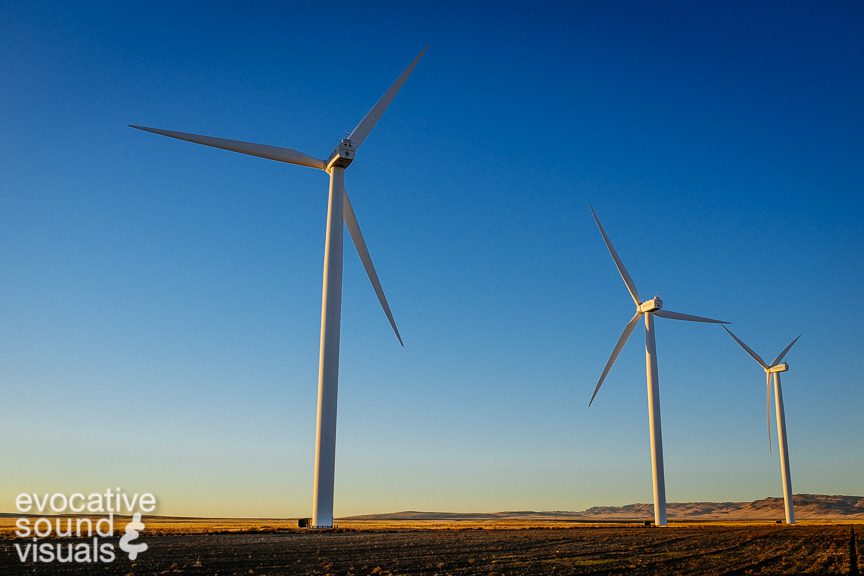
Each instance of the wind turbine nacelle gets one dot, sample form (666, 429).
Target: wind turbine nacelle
(343, 155)
(779, 368)
(651, 305)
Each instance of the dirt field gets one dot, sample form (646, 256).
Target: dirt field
(678, 549)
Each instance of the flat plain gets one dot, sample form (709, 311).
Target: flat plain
(188, 546)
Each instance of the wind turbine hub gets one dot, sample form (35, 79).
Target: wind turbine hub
(783, 367)
(343, 155)
(651, 305)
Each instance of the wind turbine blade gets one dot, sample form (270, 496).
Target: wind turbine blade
(768, 407)
(358, 136)
(631, 286)
(747, 348)
(678, 316)
(357, 236)
(783, 353)
(288, 155)
(621, 341)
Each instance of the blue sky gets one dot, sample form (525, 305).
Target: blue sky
(160, 301)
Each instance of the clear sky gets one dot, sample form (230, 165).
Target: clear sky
(160, 301)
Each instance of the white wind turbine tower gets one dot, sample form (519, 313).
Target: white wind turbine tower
(648, 309)
(338, 210)
(775, 368)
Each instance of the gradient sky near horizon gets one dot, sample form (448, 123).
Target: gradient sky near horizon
(160, 301)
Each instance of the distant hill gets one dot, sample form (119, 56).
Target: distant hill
(807, 507)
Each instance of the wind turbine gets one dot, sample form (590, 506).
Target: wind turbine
(647, 309)
(338, 210)
(775, 368)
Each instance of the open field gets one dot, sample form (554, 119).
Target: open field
(475, 547)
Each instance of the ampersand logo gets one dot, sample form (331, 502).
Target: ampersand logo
(131, 534)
